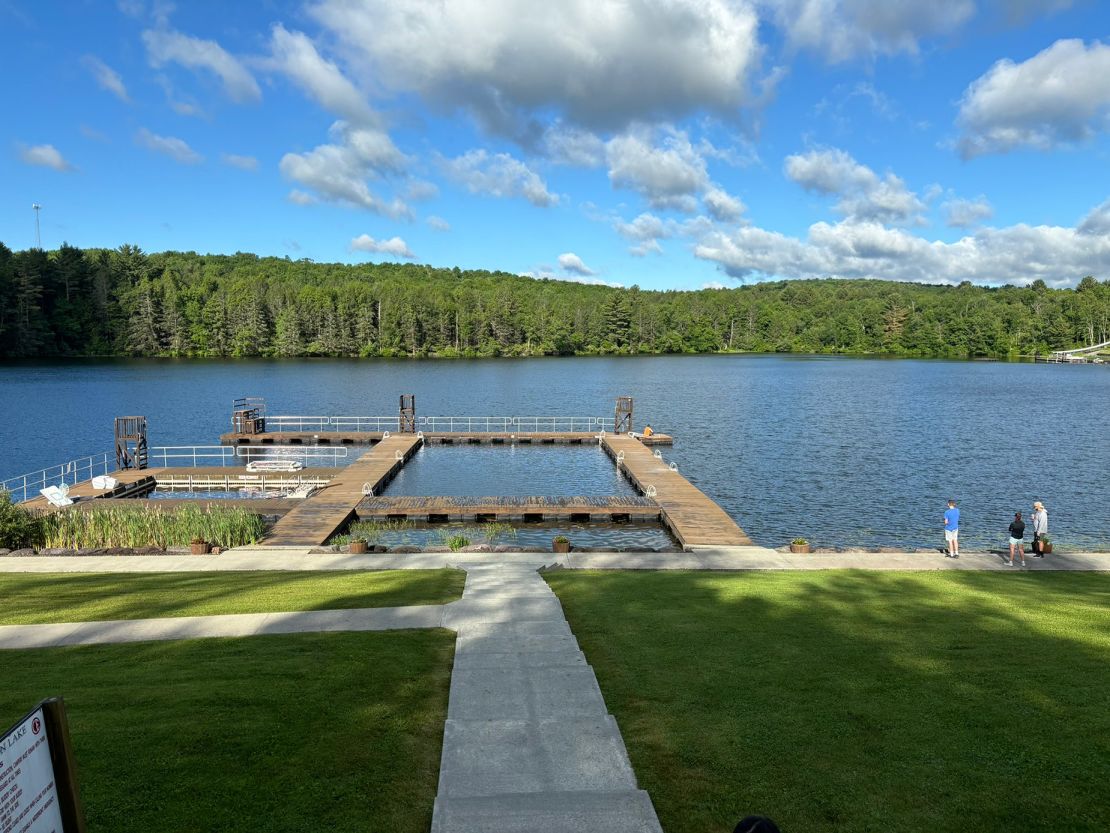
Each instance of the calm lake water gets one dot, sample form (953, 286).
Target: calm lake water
(849, 452)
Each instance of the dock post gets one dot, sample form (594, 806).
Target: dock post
(131, 446)
(407, 420)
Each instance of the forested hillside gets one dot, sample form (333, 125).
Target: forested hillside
(123, 302)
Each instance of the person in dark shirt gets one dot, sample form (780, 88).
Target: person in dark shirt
(1017, 539)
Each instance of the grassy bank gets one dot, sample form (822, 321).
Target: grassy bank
(853, 701)
(31, 598)
(338, 732)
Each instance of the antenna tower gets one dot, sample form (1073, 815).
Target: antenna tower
(38, 230)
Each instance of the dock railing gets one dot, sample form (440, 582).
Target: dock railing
(452, 424)
(197, 456)
(25, 487)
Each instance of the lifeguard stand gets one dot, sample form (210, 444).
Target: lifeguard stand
(248, 415)
(407, 421)
(131, 447)
(622, 419)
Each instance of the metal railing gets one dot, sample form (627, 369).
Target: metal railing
(470, 424)
(26, 486)
(197, 456)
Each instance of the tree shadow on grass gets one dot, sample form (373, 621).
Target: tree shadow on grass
(857, 701)
(71, 597)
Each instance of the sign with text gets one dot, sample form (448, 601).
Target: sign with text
(28, 791)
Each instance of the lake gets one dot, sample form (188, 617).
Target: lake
(843, 451)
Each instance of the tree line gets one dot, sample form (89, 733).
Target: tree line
(124, 302)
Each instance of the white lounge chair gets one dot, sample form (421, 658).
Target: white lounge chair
(274, 465)
(57, 495)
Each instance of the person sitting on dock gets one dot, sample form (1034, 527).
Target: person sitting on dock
(648, 431)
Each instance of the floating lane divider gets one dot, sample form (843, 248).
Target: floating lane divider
(694, 519)
(319, 517)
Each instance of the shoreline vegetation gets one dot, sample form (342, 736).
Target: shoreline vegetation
(106, 303)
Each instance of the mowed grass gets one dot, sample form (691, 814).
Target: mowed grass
(857, 701)
(337, 732)
(32, 598)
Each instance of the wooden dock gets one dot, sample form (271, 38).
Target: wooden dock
(524, 509)
(260, 506)
(694, 519)
(130, 482)
(319, 517)
(344, 438)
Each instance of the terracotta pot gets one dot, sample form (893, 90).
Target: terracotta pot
(1046, 548)
(802, 548)
(357, 547)
(560, 546)
(199, 549)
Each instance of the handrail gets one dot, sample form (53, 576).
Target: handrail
(168, 456)
(25, 487)
(469, 424)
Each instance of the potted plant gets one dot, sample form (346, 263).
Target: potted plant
(560, 543)
(357, 546)
(1046, 545)
(198, 546)
(800, 545)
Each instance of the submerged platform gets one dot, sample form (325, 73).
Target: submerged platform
(526, 509)
(333, 438)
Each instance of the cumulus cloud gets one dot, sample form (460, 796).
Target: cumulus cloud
(1060, 95)
(723, 206)
(570, 262)
(339, 171)
(599, 63)
(1097, 222)
(961, 213)
(437, 223)
(299, 197)
(45, 156)
(106, 77)
(393, 246)
(165, 46)
(565, 145)
(864, 195)
(844, 29)
(645, 232)
(170, 146)
(1017, 254)
(499, 175)
(244, 163)
(668, 173)
(295, 55)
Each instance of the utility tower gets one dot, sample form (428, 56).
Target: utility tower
(38, 231)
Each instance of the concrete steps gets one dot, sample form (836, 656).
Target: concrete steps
(560, 812)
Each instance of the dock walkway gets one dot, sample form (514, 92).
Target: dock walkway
(536, 509)
(693, 518)
(319, 517)
(347, 438)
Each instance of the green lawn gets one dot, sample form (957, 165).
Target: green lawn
(336, 732)
(857, 701)
(30, 598)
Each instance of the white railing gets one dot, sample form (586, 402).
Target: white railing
(196, 456)
(331, 423)
(469, 424)
(26, 486)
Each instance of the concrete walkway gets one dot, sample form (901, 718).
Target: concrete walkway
(529, 744)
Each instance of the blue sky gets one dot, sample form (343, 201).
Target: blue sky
(665, 143)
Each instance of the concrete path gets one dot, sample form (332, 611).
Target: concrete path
(722, 558)
(529, 744)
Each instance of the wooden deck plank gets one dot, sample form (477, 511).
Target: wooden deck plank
(312, 439)
(507, 507)
(319, 517)
(693, 518)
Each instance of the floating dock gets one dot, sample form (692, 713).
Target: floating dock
(525, 509)
(318, 518)
(694, 519)
(341, 438)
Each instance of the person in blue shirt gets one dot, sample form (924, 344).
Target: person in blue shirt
(952, 530)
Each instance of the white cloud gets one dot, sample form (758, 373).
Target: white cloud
(393, 246)
(170, 146)
(714, 285)
(863, 194)
(1060, 95)
(499, 175)
(165, 46)
(295, 55)
(1097, 222)
(45, 156)
(644, 227)
(299, 197)
(961, 213)
(723, 206)
(437, 223)
(245, 163)
(565, 145)
(844, 29)
(1017, 254)
(598, 63)
(570, 262)
(338, 172)
(106, 77)
(667, 174)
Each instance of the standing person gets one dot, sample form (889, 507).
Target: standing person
(1017, 539)
(1040, 528)
(952, 530)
